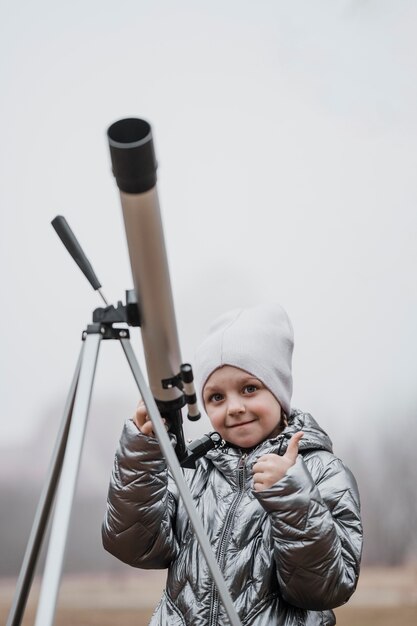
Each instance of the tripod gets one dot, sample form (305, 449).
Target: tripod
(62, 478)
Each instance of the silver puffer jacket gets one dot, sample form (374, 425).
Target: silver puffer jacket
(288, 554)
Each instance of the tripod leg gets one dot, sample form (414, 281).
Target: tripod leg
(56, 549)
(43, 510)
(172, 461)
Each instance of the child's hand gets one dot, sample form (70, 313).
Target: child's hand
(142, 420)
(270, 468)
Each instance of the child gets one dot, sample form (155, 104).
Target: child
(280, 510)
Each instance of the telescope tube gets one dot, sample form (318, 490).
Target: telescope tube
(134, 167)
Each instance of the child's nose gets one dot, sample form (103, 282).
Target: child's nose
(235, 406)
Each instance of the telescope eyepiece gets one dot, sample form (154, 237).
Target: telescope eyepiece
(132, 155)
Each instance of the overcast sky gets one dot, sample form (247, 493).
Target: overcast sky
(286, 139)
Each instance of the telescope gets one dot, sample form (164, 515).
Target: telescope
(134, 167)
(170, 382)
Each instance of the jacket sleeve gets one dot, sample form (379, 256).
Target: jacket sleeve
(316, 531)
(138, 527)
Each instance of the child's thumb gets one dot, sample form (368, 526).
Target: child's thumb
(292, 450)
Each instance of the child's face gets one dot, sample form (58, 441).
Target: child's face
(240, 407)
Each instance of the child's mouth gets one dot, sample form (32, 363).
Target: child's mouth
(241, 424)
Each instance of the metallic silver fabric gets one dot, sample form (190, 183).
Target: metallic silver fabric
(289, 554)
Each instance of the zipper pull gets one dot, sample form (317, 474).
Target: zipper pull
(282, 438)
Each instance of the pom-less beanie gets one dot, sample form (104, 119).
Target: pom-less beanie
(258, 340)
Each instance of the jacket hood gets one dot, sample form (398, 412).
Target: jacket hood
(315, 438)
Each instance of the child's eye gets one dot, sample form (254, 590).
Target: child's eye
(250, 388)
(216, 397)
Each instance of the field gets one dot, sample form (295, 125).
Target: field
(385, 597)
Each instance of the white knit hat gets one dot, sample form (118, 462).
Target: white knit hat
(258, 340)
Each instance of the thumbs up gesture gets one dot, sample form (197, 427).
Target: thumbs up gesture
(270, 468)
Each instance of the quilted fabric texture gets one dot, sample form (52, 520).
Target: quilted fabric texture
(288, 554)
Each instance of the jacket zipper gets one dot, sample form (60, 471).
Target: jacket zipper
(214, 604)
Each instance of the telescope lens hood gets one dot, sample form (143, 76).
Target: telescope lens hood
(132, 155)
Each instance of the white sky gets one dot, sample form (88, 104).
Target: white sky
(286, 138)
